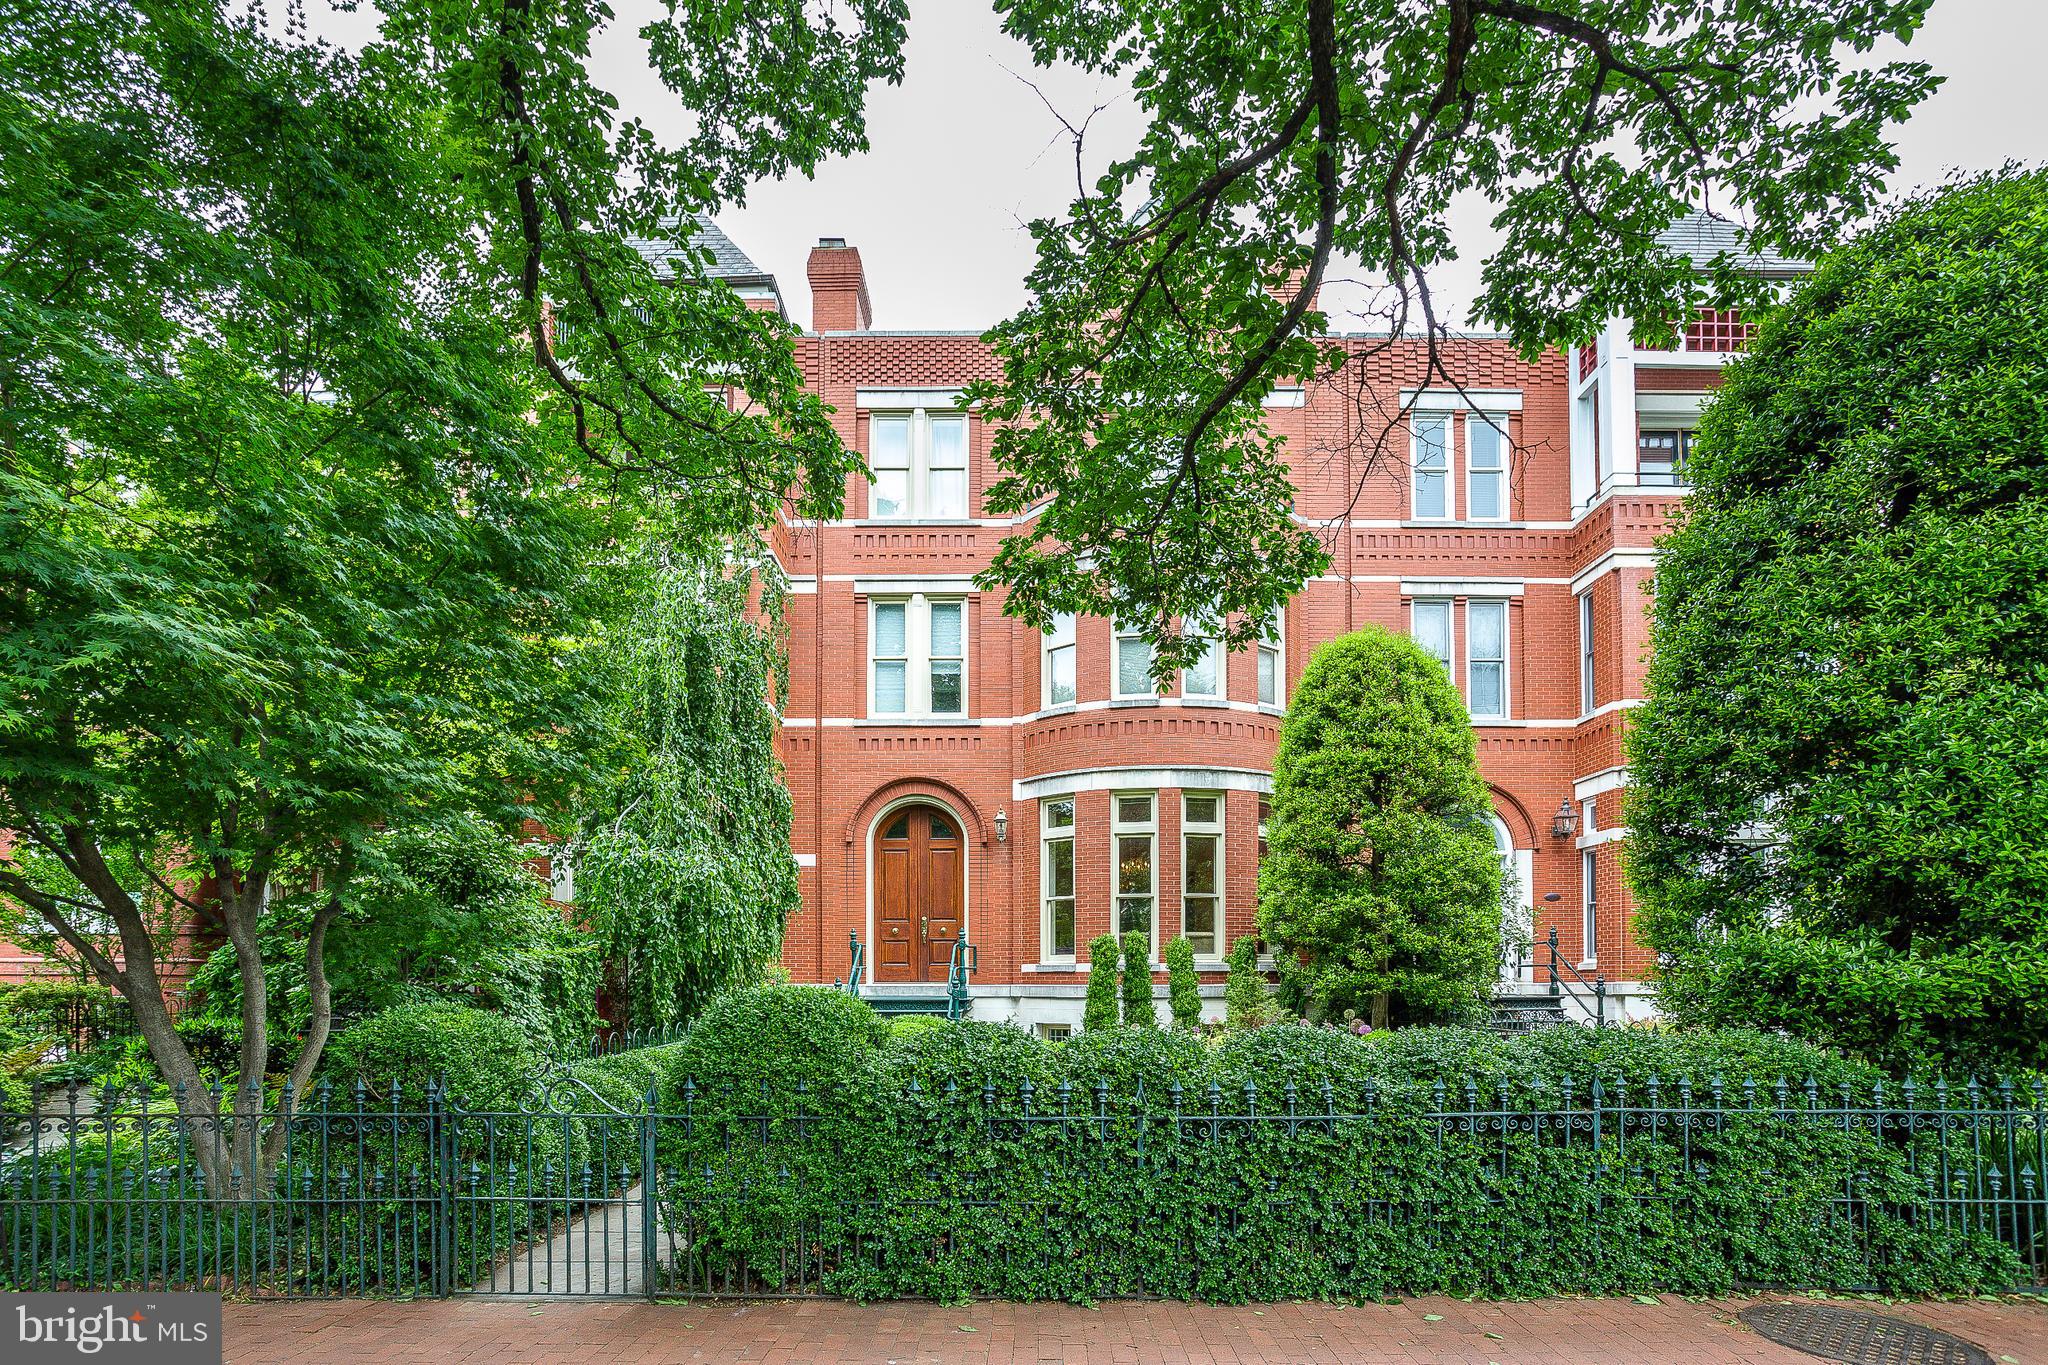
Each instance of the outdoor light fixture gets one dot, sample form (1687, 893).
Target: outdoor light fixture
(1565, 823)
(1002, 825)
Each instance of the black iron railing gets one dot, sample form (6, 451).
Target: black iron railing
(1562, 967)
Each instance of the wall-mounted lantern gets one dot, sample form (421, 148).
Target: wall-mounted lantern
(1002, 825)
(1565, 823)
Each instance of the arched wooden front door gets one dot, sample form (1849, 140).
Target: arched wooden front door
(920, 889)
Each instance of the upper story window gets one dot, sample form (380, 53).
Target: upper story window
(1661, 454)
(919, 459)
(1431, 623)
(1134, 663)
(1056, 876)
(1486, 466)
(1205, 677)
(1586, 653)
(1431, 478)
(1272, 676)
(917, 657)
(1058, 686)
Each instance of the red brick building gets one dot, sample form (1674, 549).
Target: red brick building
(955, 771)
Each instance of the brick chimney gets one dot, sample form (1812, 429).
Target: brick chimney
(839, 288)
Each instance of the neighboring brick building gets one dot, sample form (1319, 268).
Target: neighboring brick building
(955, 770)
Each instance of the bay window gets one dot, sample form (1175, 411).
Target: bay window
(1204, 677)
(1134, 663)
(1133, 828)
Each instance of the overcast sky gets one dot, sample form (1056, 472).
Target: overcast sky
(965, 152)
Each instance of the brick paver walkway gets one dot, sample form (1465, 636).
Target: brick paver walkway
(1549, 1332)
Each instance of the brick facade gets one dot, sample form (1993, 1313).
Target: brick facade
(1576, 524)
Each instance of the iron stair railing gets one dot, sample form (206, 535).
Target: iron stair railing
(856, 966)
(1598, 983)
(966, 958)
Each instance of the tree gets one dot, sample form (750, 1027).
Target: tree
(682, 861)
(1840, 778)
(1244, 991)
(325, 381)
(1380, 890)
(1099, 1009)
(1285, 137)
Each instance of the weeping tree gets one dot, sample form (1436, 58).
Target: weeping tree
(682, 860)
(325, 380)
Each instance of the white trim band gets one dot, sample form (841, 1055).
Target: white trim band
(1134, 778)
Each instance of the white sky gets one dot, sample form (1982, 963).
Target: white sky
(965, 152)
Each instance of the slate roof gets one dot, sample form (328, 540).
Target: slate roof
(728, 262)
(1701, 237)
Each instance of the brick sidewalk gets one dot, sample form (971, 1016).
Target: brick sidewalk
(1547, 1332)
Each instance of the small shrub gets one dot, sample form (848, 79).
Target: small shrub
(776, 1036)
(1183, 987)
(1137, 982)
(1245, 1003)
(1100, 1010)
(485, 1059)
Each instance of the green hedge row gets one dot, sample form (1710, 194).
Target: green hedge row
(935, 1162)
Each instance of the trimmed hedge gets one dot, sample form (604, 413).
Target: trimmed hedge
(937, 1163)
(484, 1059)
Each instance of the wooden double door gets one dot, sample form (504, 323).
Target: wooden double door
(920, 894)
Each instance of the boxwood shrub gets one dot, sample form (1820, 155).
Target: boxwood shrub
(978, 1160)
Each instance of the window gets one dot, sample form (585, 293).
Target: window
(1131, 834)
(1265, 823)
(1661, 456)
(1486, 659)
(917, 648)
(1059, 661)
(1486, 466)
(1432, 466)
(919, 461)
(1056, 876)
(1430, 625)
(1590, 926)
(1055, 1033)
(1201, 872)
(1134, 664)
(1586, 653)
(1271, 653)
(1204, 678)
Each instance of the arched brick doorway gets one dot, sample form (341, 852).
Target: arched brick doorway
(920, 888)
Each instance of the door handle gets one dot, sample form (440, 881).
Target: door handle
(924, 926)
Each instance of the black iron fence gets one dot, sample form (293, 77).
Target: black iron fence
(1488, 1183)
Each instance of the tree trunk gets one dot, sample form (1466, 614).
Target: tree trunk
(1382, 1007)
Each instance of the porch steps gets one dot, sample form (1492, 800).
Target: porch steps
(894, 1003)
(1525, 1013)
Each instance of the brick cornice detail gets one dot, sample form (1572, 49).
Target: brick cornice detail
(945, 793)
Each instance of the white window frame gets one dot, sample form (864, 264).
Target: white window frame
(1119, 830)
(1048, 835)
(1589, 907)
(1204, 829)
(1219, 662)
(1449, 658)
(1445, 422)
(1489, 604)
(918, 659)
(1680, 455)
(1273, 646)
(1120, 633)
(1586, 660)
(1057, 640)
(917, 500)
(1498, 423)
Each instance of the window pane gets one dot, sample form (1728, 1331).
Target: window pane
(949, 442)
(1485, 495)
(948, 494)
(1205, 677)
(1134, 810)
(1060, 814)
(1429, 494)
(1484, 446)
(890, 695)
(1432, 624)
(891, 494)
(1489, 626)
(1063, 928)
(1062, 632)
(946, 688)
(946, 630)
(942, 829)
(1198, 922)
(890, 443)
(1269, 677)
(1134, 915)
(1059, 868)
(891, 635)
(1486, 689)
(1201, 810)
(1134, 863)
(1200, 869)
(1429, 443)
(1059, 689)
(1134, 666)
